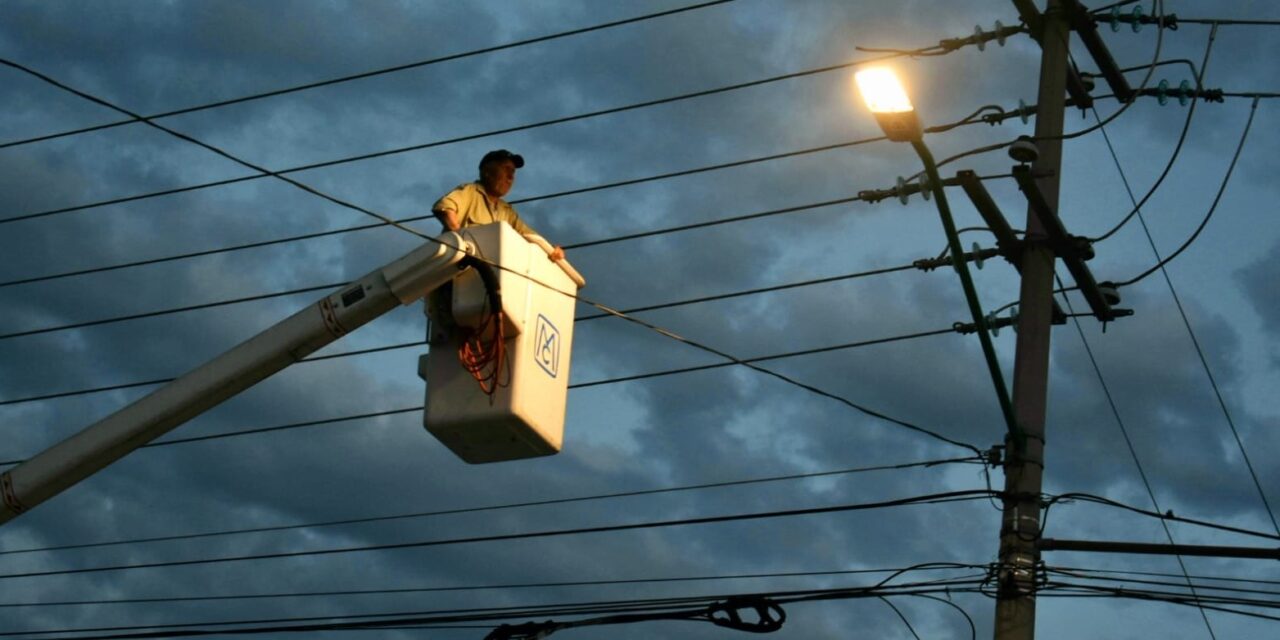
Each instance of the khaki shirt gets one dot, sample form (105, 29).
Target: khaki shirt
(474, 207)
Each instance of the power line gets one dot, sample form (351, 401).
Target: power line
(363, 227)
(1182, 137)
(283, 173)
(165, 312)
(901, 617)
(934, 498)
(147, 383)
(1080, 590)
(778, 356)
(1253, 109)
(594, 383)
(1160, 583)
(1169, 515)
(1229, 22)
(455, 588)
(1165, 575)
(1195, 342)
(1133, 452)
(368, 74)
(589, 317)
(548, 196)
(265, 296)
(1151, 68)
(514, 505)
(652, 327)
(608, 240)
(962, 584)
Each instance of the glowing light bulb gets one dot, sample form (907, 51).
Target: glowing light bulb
(882, 91)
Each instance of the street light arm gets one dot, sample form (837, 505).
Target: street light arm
(970, 293)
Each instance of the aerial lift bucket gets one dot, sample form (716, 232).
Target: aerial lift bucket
(524, 416)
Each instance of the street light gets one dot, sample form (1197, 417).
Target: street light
(888, 101)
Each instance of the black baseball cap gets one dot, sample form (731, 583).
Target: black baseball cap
(502, 154)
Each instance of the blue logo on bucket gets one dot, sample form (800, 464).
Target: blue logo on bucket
(546, 346)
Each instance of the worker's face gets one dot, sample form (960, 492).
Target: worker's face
(498, 177)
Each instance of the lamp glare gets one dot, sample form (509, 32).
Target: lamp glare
(882, 91)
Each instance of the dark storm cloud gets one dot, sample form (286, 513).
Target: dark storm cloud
(1258, 280)
(703, 427)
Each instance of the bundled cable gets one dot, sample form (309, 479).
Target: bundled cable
(483, 352)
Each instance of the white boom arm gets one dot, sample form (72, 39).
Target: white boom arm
(401, 282)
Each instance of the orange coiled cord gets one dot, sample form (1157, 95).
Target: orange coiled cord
(486, 360)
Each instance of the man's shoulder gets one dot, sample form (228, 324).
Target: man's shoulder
(460, 193)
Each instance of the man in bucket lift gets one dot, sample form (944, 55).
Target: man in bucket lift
(481, 202)
(477, 203)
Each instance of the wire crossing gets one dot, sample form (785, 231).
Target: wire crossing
(263, 173)
(750, 362)
(934, 498)
(652, 327)
(403, 345)
(477, 587)
(502, 507)
(369, 74)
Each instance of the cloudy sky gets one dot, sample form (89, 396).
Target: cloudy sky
(717, 425)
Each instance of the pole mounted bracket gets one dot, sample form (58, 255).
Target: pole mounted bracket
(1007, 241)
(1076, 86)
(1065, 245)
(1082, 23)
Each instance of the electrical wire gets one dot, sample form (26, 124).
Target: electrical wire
(901, 616)
(1186, 322)
(483, 587)
(1124, 432)
(369, 74)
(336, 285)
(973, 628)
(1163, 575)
(363, 227)
(1160, 28)
(652, 327)
(558, 194)
(536, 503)
(284, 173)
(1157, 596)
(933, 498)
(1160, 583)
(418, 343)
(1076, 134)
(579, 245)
(1177, 148)
(1229, 22)
(1253, 109)
(164, 312)
(593, 383)
(1168, 515)
(652, 605)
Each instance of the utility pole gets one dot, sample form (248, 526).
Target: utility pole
(1024, 463)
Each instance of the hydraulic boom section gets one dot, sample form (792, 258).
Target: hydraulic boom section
(401, 282)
